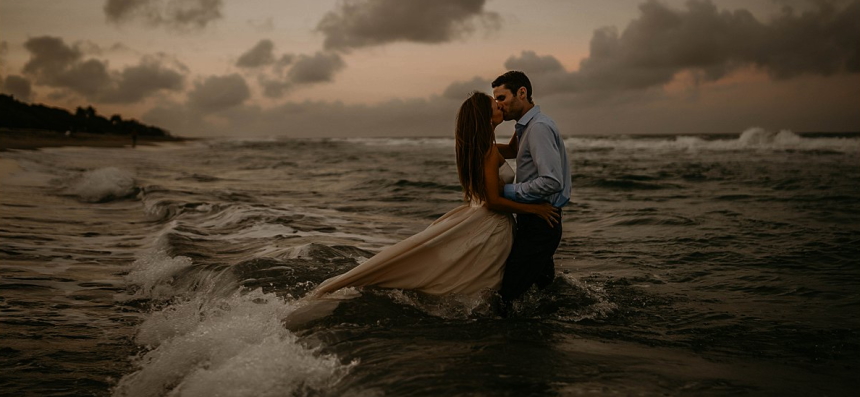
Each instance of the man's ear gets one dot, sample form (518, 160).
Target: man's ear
(522, 93)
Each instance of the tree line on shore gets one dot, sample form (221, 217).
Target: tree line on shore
(20, 115)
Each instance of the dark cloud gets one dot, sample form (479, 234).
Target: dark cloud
(284, 61)
(709, 43)
(365, 23)
(140, 81)
(260, 55)
(179, 14)
(88, 78)
(829, 104)
(415, 117)
(17, 86)
(217, 93)
(534, 64)
(274, 88)
(300, 70)
(318, 68)
(461, 90)
(55, 64)
(49, 56)
(822, 41)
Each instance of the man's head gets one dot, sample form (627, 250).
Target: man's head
(513, 92)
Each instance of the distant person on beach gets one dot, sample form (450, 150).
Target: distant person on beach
(133, 138)
(543, 176)
(464, 251)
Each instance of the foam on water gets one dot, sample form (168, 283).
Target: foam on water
(756, 138)
(206, 342)
(424, 142)
(231, 346)
(153, 272)
(103, 184)
(324, 252)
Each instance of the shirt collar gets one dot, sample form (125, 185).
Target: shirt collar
(524, 121)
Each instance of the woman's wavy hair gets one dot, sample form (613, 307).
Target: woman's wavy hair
(474, 139)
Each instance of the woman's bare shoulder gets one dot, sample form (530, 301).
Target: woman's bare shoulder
(494, 156)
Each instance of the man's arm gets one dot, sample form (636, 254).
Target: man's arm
(544, 151)
(509, 150)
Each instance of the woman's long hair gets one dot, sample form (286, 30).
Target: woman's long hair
(475, 138)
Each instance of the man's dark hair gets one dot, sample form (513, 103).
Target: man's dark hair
(513, 80)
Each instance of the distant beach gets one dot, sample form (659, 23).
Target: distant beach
(32, 139)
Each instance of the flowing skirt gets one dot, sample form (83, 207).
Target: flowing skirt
(463, 252)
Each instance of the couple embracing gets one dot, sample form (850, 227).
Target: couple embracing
(478, 247)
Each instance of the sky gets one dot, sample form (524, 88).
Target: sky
(365, 68)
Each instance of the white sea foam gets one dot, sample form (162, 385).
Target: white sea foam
(233, 346)
(425, 142)
(103, 184)
(756, 139)
(154, 272)
(210, 343)
(601, 307)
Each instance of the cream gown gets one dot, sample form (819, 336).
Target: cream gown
(463, 252)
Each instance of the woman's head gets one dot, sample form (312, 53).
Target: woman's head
(474, 139)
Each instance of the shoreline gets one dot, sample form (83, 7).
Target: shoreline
(31, 139)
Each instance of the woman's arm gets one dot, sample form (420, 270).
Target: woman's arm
(509, 150)
(495, 201)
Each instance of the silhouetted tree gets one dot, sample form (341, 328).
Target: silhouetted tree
(17, 114)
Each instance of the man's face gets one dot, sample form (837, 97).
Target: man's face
(510, 104)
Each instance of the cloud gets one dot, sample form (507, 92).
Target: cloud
(318, 68)
(827, 42)
(284, 61)
(710, 44)
(17, 86)
(178, 14)
(461, 90)
(87, 78)
(274, 88)
(413, 117)
(55, 64)
(217, 93)
(534, 63)
(260, 55)
(138, 82)
(49, 56)
(365, 23)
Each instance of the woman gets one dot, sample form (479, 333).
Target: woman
(464, 251)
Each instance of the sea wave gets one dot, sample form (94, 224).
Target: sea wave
(234, 346)
(754, 139)
(103, 184)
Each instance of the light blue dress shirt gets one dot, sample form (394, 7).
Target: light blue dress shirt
(543, 172)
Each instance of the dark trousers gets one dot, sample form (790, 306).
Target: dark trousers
(530, 261)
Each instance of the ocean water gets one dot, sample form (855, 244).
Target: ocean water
(690, 265)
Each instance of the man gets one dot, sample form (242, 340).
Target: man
(543, 174)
